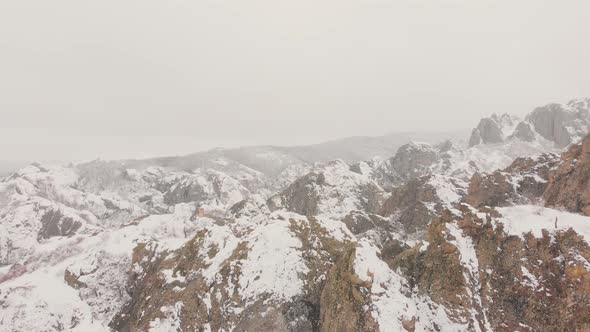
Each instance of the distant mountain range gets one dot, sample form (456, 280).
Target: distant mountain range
(404, 232)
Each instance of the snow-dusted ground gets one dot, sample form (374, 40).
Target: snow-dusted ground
(39, 293)
(117, 208)
(392, 299)
(522, 219)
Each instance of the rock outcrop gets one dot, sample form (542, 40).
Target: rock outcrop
(301, 197)
(562, 124)
(569, 184)
(258, 240)
(498, 282)
(334, 189)
(411, 161)
(523, 182)
(524, 131)
(492, 130)
(487, 132)
(208, 284)
(419, 201)
(411, 204)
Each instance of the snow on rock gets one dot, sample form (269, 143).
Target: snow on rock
(449, 190)
(332, 191)
(274, 264)
(470, 263)
(43, 296)
(172, 320)
(522, 219)
(38, 291)
(392, 300)
(68, 233)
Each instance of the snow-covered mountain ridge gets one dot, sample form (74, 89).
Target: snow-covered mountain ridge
(434, 237)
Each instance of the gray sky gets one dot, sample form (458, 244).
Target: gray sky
(117, 78)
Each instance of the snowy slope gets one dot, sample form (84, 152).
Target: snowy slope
(289, 239)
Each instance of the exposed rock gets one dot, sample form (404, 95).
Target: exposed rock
(417, 202)
(152, 295)
(248, 208)
(336, 253)
(343, 302)
(408, 204)
(524, 181)
(524, 132)
(489, 190)
(413, 159)
(332, 189)
(208, 186)
(515, 283)
(494, 129)
(531, 176)
(54, 223)
(486, 132)
(562, 124)
(569, 184)
(409, 324)
(100, 283)
(301, 197)
(543, 297)
(359, 222)
(202, 284)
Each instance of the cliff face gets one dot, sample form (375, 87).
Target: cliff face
(569, 184)
(488, 131)
(492, 280)
(524, 181)
(560, 124)
(334, 189)
(205, 285)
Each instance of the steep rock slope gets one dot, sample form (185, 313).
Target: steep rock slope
(419, 201)
(493, 272)
(524, 181)
(569, 184)
(494, 129)
(561, 124)
(333, 190)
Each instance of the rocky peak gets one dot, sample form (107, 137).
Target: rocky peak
(496, 280)
(417, 202)
(199, 246)
(492, 130)
(524, 181)
(562, 124)
(334, 189)
(525, 132)
(580, 104)
(411, 160)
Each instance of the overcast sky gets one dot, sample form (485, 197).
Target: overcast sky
(117, 78)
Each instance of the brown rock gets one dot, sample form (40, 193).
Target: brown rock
(407, 203)
(523, 182)
(569, 184)
(343, 300)
(409, 324)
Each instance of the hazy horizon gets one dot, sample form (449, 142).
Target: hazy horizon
(124, 79)
(439, 135)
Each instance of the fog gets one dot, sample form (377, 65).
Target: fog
(124, 79)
